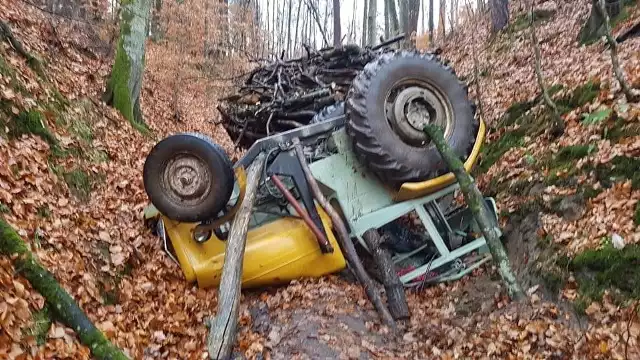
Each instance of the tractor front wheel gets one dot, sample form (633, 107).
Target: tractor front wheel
(188, 177)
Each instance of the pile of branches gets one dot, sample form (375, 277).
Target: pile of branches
(286, 94)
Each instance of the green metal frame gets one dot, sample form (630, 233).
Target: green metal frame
(367, 204)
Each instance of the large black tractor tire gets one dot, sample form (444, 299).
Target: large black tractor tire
(398, 151)
(328, 112)
(188, 177)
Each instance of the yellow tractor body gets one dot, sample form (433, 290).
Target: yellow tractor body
(276, 252)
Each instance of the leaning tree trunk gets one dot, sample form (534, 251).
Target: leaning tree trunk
(60, 302)
(125, 82)
(473, 198)
(499, 14)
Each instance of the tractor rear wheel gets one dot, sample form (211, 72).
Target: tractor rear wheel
(188, 177)
(389, 104)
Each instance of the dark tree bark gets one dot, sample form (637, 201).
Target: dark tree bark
(431, 21)
(337, 27)
(364, 23)
(442, 20)
(409, 13)
(396, 299)
(499, 14)
(371, 22)
(594, 26)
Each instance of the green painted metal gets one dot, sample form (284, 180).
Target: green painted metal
(367, 204)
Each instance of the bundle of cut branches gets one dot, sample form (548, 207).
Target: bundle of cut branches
(286, 94)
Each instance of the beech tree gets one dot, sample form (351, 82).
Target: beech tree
(125, 81)
(499, 14)
(371, 22)
(337, 28)
(409, 12)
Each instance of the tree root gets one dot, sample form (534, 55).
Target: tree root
(34, 63)
(61, 304)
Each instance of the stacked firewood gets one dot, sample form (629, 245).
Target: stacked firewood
(286, 94)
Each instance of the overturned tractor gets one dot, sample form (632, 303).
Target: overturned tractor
(339, 126)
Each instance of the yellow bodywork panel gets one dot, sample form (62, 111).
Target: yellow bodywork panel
(277, 252)
(418, 189)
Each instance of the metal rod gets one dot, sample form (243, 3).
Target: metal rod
(325, 246)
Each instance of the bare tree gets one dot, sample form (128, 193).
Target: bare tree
(558, 123)
(364, 22)
(337, 27)
(431, 20)
(476, 62)
(316, 16)
(499, 14)
(617, 69)
(371, 22)
(442, 19)
(409, 12)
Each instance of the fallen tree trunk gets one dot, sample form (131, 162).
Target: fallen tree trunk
(396, 299)
(476, 203)
(345, 241)
(61, 303)
(222, 329)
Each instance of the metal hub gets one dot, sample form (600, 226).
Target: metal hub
(186, 178)
(411, 106)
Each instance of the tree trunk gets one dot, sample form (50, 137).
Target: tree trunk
(394, 23)
(222, 331)
(371, 22)
(387, 31)
(364, 23)
(409, 12)
(558, 123)
(442, 32)
(396, 299)
(288, 50)
(295, 38)
(60, 302)
(594, 27)
(499, 14)
(316, 16)
(345, 242)
(156, 26)
(431, 21)
(617, 69)
(125, 82)
(477, 205)
(337, 26)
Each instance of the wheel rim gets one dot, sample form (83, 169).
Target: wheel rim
(186, 179)
(411, 104)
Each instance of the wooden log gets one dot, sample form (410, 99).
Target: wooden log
(396, 299)
(223, 328)
(344, 240)
(476, 203)
(64, 307)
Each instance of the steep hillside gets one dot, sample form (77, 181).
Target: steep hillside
(71, 183)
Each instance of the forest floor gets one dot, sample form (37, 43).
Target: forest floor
(71, 184)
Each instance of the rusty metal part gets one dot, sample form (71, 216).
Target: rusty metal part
(344, 240)
(325, 246)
